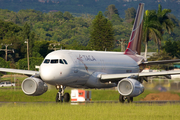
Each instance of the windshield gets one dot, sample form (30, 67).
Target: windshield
(65, 61)
(60, 61)
(46, 61)
(54, 61)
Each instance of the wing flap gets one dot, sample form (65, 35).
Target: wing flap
(26, 72)
(116, 76)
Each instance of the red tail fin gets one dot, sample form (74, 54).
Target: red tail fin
(134, 45)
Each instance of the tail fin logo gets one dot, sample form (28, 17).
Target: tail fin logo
(134, 45)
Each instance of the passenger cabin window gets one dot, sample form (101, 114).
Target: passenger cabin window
(46, 61)
(54, 61)
(60, 61)
(65, 61)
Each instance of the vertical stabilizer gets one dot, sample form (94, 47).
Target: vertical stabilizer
(134, 45)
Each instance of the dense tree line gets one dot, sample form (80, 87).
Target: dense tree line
(55, 30)
(87, 6)
(63, 27)
(172, 48)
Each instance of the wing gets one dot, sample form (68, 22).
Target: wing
(26, 72)
(117, 77)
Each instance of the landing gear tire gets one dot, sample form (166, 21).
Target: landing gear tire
(60, 96)
(57, 97)
(129, 99)
(121, 98)
(66, 97)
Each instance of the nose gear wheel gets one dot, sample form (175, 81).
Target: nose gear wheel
(61, 97)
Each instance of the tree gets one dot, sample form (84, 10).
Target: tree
(111, 10)
(22, 63)
(3, 63)
(8, 29)
(174, 19)
(57, 15)
(102, 33)
(67, 15)
(151, 28)
(116, 20)
(166, 23)
(40, 48)
(172, 48)
(162, 55)
(26, 30)
(130, 13)
(8, 33)
(27, 34)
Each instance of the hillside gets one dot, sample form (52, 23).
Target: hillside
(54, 30)
(87, 6)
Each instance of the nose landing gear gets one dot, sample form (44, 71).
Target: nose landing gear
(60, 96)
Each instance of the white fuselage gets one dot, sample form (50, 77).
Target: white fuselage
(82, 66)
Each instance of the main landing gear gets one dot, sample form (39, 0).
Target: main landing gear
(61, 97)
(123, 98)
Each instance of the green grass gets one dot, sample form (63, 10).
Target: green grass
(12, 95)
(108, 111)
(19, 96)
(108, 94)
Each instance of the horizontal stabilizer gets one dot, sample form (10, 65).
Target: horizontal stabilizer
(160, 62)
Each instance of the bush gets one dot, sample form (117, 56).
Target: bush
(3, 63)
(33, 61)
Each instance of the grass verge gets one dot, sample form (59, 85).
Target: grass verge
(90, 111)
(12, 95)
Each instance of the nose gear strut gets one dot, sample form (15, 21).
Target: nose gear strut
(60, 97)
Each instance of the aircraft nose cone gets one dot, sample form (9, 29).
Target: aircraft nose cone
(46, 73)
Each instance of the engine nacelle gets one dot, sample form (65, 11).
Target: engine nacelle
(130, 87)
(34, 86)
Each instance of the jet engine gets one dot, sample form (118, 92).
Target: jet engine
(34, 86)
(130, 87)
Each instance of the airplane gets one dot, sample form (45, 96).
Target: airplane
(94, 69)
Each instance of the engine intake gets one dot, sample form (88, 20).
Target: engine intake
(34, 86)
(130, 87)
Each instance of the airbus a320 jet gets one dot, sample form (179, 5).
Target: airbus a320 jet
(94, 69)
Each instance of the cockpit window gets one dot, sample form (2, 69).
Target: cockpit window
(60, 61)
(46, 61)
(54, 61)
(65, 61)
